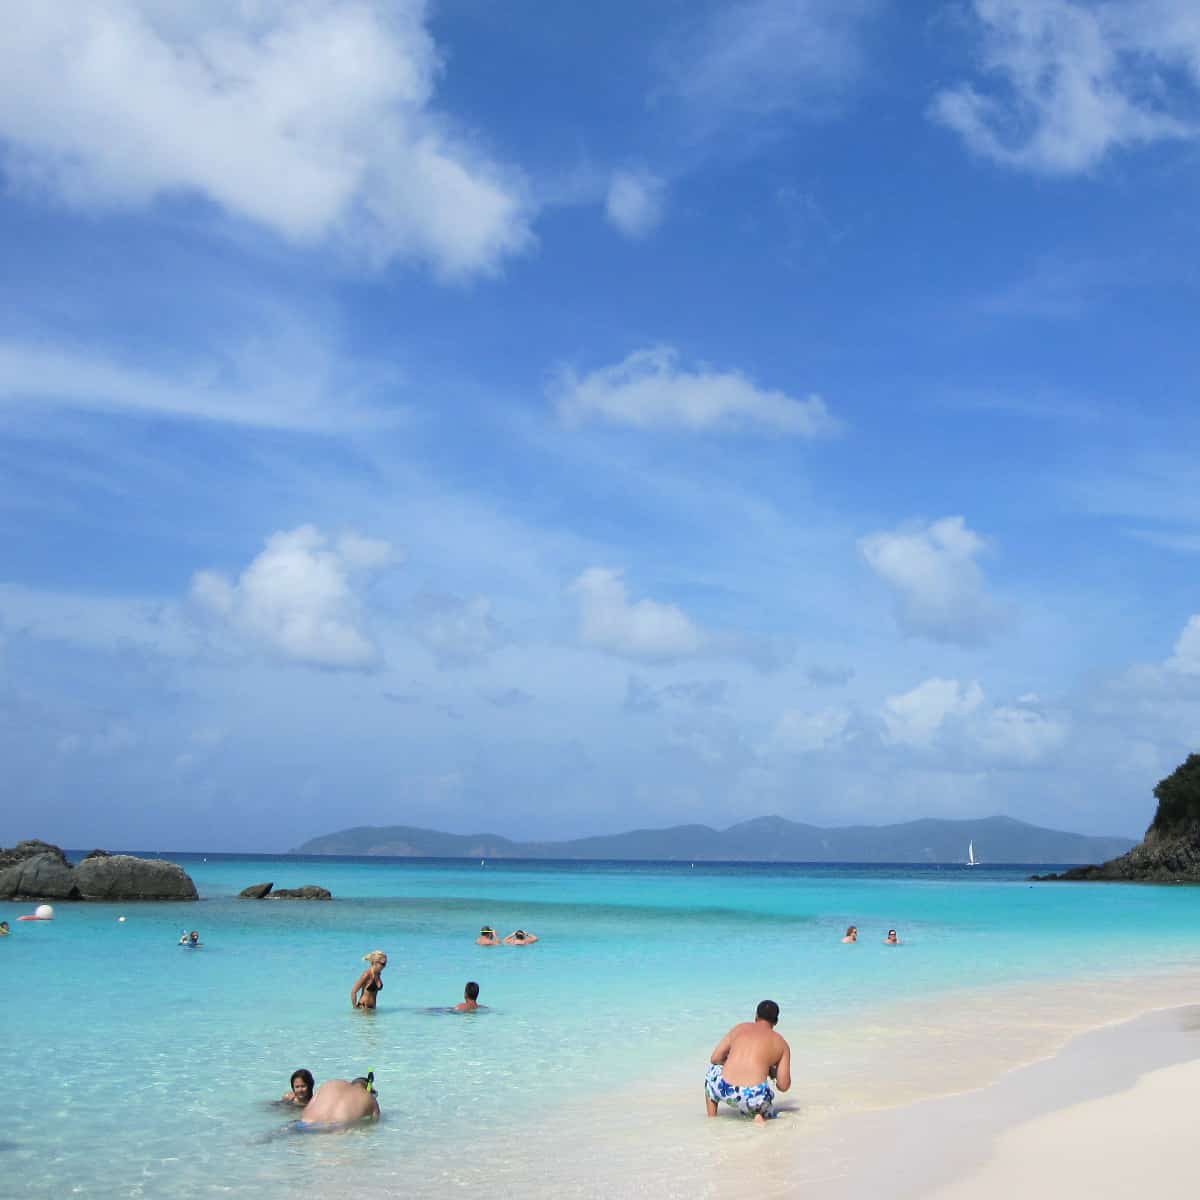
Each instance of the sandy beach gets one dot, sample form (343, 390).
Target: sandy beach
(1104, 1115)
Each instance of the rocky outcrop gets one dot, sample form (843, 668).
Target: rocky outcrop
(310, 892)
(256, 891)
(1172, 858)
(1170, 851)
(34, 870)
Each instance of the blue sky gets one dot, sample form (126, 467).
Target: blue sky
(554, 419)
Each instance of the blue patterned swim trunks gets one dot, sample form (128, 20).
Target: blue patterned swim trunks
(749, 1101)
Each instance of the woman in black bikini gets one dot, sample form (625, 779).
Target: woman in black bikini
(365, 992)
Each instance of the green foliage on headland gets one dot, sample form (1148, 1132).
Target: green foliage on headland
(1178, 799)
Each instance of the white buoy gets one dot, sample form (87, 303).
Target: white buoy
(44, 912)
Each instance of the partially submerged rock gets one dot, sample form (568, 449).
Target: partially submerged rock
(311, 892)
(256, 891)
(35, 870)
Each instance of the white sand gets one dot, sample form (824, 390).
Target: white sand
(1137, 1142)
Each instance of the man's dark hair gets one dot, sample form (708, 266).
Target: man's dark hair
(767, 1010)
(306, 1075)
(472, 991)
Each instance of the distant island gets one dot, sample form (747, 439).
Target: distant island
(764, 839)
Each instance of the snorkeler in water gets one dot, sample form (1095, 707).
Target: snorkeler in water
(520, 938)
(340, 1102)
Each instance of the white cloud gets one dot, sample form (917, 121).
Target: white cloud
(1074, 81)
(761, 58)
(1186, 659)
(298, 598)
(635, 203)
(915, 718)
(312, 118)
(798, 732)
(940, 592)
(643, 629)
(648, 390)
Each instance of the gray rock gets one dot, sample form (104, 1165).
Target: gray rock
(311, 892)
(256, 891)
(123, 877)
(46, 876)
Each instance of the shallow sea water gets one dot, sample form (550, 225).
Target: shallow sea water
(138, 1068)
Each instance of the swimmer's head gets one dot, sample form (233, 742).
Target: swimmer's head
(377, 958)
(303, 1085)
(367, 1082)
(487, 931)
(768, 1011)
(519, 935)
(471, 991)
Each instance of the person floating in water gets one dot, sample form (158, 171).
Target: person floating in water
(365, 993)
(851, 935)
(470, 998)
(189, 939)
(487, 937)
(303, 1086)
(340, 1102)
(891, 939)
(4, 929)
(744, 1062)
(520, 938)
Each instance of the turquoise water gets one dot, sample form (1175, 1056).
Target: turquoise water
(135, 1067)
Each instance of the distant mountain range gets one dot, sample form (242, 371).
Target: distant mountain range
(764, 839)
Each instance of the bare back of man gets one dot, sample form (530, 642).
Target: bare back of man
(338, 1102)
(755, 1049)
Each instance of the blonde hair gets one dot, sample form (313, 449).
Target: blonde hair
(374, 956)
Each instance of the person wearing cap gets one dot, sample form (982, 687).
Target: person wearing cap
(487, 937)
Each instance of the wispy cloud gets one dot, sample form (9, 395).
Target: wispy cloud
(290, 382)
(1068, 83)
(650, 390)
(765, 58)
(316, 121)
(634, 204)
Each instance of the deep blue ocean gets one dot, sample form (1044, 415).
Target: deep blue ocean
(136, 1067)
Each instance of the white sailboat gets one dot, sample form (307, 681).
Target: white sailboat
(972, 861)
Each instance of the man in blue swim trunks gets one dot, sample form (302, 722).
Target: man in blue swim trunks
(743, 1064)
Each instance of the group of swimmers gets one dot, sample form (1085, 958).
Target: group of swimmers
(892, 938)
(489, 937)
